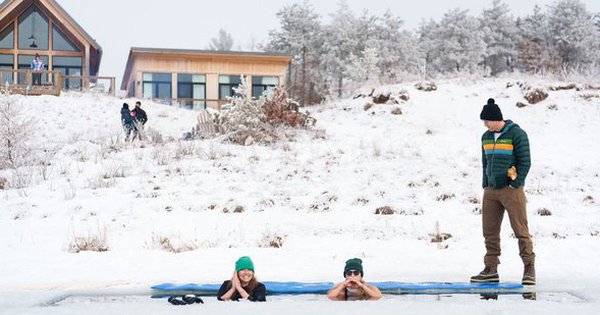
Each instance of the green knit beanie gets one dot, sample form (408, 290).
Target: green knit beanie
(244, 263)
(354, 264)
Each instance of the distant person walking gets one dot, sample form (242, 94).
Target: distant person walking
(126, 121)
(139, 120)
(506, 162)
(37, 65)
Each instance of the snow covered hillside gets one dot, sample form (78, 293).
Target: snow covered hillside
(302, 207)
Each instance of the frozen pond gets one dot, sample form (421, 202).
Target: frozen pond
(129, 302)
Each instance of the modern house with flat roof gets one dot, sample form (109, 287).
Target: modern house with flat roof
(198, 79)
(30, 27)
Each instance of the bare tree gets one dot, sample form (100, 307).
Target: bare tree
(16, 130)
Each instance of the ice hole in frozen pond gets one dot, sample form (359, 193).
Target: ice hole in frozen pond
(558, 297)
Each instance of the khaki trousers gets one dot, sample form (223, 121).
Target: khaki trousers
(495, 201)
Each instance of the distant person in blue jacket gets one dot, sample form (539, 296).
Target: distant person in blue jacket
(354, 288)
(126, 121)
(243, 284)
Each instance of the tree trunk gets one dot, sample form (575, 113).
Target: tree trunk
(303, 76)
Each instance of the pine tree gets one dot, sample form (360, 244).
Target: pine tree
(501, 37)
(462, 47)
(223, 41)
(574, 35)
(301, 34)
(339, 44)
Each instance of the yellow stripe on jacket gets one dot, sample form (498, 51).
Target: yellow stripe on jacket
(499, 146)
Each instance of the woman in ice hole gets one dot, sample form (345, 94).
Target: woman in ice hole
(243, 284)
(354, 288)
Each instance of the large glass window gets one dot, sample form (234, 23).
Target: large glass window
(191, 86)
(61, 42)
(25, 63)
(261, 85)
(156, 85)
(7, 37)
(69, 66)
(6, 63)
(33, 30)
(226, 85)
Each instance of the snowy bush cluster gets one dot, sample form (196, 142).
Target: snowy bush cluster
(334, 58)
(259, 120)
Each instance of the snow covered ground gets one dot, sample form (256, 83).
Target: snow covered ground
(316, 196)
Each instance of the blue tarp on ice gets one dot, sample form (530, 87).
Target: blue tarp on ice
(320, 287)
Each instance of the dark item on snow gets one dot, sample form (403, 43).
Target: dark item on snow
(185, 300)
(381, 98)
(535, 96)
(258, 294)
(491, 111)
(521, 104)
(426, 86)
(386, 210)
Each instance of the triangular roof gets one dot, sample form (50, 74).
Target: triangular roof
(64, 14)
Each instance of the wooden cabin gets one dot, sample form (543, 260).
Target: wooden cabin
(70, 56)
(197, 79)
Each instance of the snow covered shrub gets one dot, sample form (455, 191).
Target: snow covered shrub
(536, 95)
(114, 170)
(16, 131)
(272, 239)
(154, 136)
(397, 111)
(169, 245)
(255, 120)
(367, 106)
(161, 156)
(100, 182)
(21, 178)
(94, 241)
(439, 237)
(386, 210)
(426, 86)
(281, 110)
(184, 149)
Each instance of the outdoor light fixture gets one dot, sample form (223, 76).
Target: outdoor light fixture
(32, 37)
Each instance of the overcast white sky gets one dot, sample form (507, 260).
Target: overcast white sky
(118, 25)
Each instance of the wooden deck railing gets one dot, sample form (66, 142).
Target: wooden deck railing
(200, 103)
(29, 82)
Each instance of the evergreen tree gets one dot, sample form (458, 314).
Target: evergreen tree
(301, 34)
(574, 36)
(223, 41)
(500, 36)
(461, 42)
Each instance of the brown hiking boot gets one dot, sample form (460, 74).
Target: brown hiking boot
(529, 275)
(489, 274)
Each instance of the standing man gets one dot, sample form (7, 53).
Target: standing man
(506, 162)
(139, 120)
